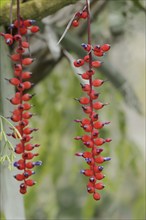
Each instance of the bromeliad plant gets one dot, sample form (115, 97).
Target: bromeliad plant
(91, 123)
(21, 113)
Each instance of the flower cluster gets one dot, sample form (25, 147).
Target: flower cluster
(91, 123)
(21, 113)
(79, 15)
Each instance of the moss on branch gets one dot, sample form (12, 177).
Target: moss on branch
(34, 9)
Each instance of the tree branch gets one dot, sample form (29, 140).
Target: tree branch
(34, 9)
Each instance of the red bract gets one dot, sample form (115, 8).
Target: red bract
(90, 104)
(21, 115)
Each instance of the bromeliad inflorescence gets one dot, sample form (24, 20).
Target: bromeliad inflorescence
(91, 123)
(21, 113)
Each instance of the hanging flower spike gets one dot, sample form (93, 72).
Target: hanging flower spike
(91, 123)
(21, 113)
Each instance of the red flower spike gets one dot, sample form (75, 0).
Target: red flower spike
(20, 114)
(90, 123)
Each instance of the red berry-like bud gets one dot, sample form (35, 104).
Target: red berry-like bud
(29, 147)
(17, 37)
(27, 61)
(26, 106)
(86, 47)
(27, 97)
(26, 75)
(99, 176)
(99, 141)
(99, 53)
(23, 30)
(84, 100)
(34, 29)
(19, 177)
(97, 82)
(98, 105)
(28, 23)
(99, 186)
(25, 44)
(87, 155)
(90, 189)
(75, 23)
(14, 81)
(96, 64)
(87, 128)
(85, 121)
(28, 156)
(20, 50)
(85, 76)
(99, 159)
(15, 57)
(96, 196)
(93, 95)
(83, 14)
(79, 62)
(87, 172)
(86, 138)
(27, 115)
(27, 85)
(87, 109)
(90, 72)
(19, 149)
(86, 58)
(105, 47)
(30, 182)
(86, 87)
(89, 144)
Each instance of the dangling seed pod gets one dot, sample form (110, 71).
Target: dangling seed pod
(91, 124)
(20, 114)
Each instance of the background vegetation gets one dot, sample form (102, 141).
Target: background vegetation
(61, 190)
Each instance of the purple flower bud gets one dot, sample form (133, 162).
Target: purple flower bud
(107, 158)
